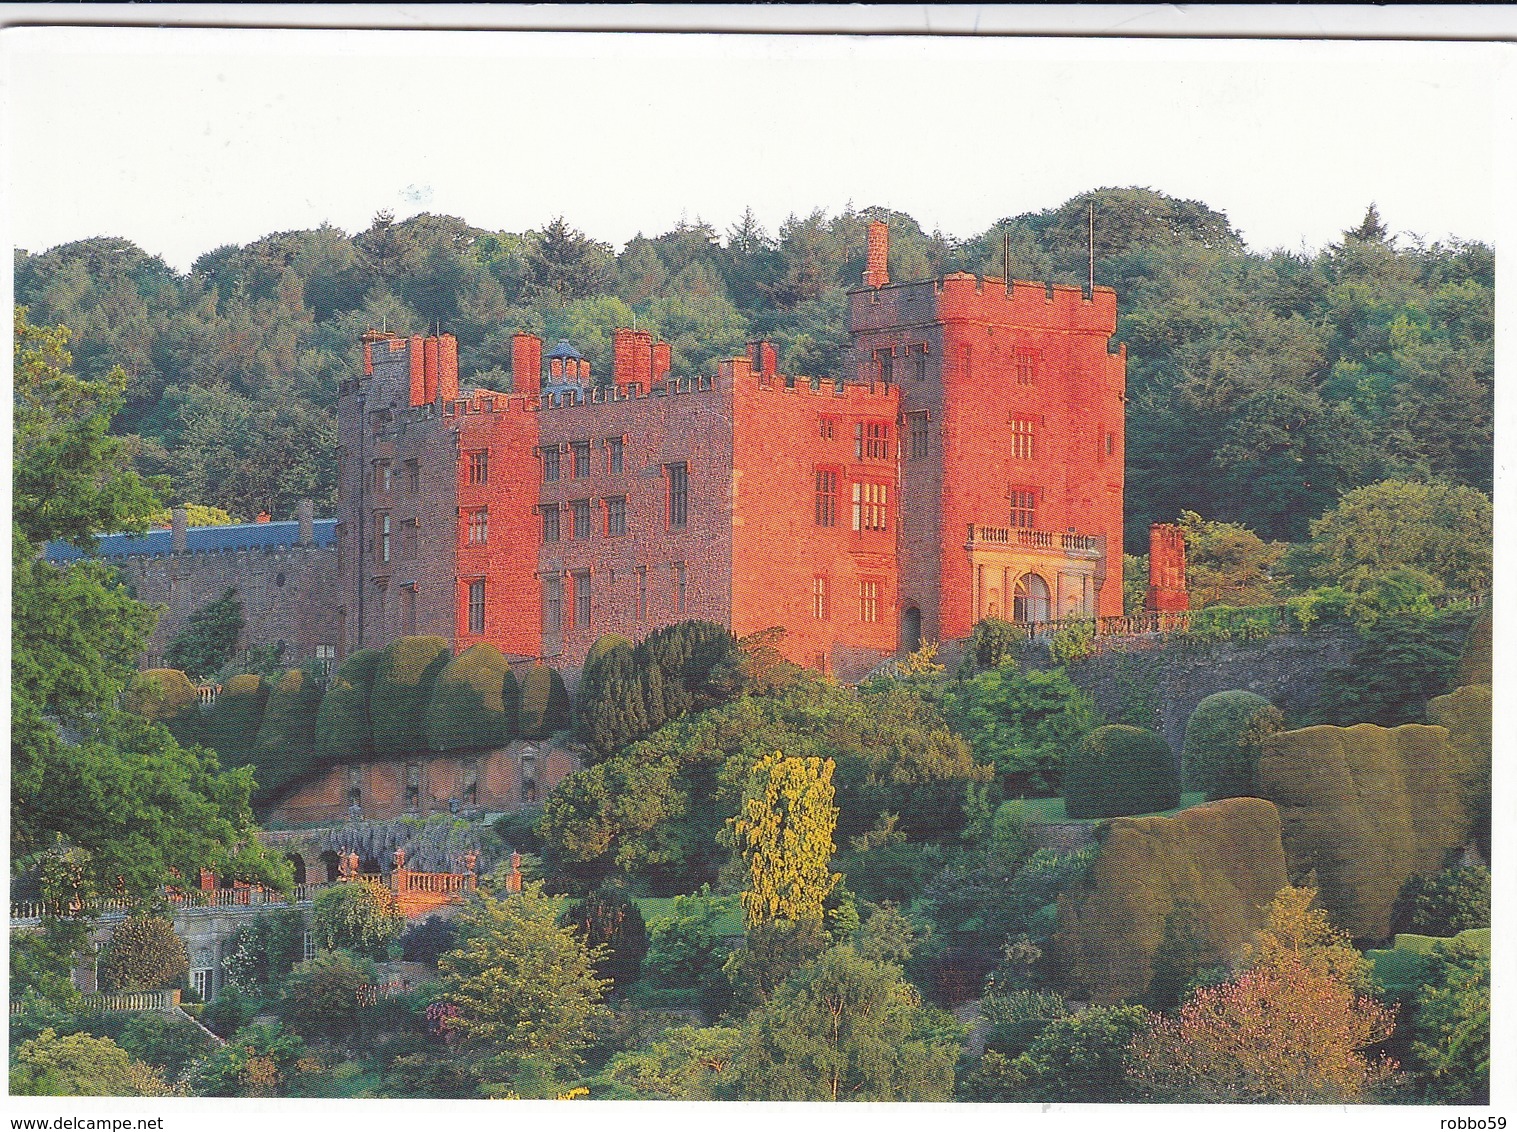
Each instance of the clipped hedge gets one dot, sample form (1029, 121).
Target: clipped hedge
(343, 733)
(144, 953)
(1466, 714)
(1475, 661)
(161, 695)
(403, 685)
(231, 726)
(611, 702)
(286, 744)
(1118, 770)
(1221, 753)
(468, 708)
(544, 703)
(1364, 807)
(1402, 968)
(1220, 863)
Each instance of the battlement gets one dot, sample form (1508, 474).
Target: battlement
(961, 296)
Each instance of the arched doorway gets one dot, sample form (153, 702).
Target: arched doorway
(1030, 602)
(329, 860)
(298, 864)
(911, 629)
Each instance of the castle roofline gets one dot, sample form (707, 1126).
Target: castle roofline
(199, 540)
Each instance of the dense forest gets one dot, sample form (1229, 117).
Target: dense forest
(1262, 385)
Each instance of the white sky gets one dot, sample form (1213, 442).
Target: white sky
(186, 139)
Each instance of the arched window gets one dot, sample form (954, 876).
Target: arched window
(1031, 599)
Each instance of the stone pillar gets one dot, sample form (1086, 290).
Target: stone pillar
(1166, 570)
(398, 872)
(306, 514)
(179, 523)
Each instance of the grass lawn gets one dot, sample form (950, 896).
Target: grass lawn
(652, 907)
(1047, 811)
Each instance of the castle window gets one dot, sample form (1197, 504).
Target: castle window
(916, 427)
(477, 606)
(355, 792)
(479, 526)
(413, 786)
(550, 522)
(581, 510)
(553, 605)
(827, 427)
(1111, 443)
(1024, 363)
(1023, 507)
(413, 476)
(1022, 438)
(870, 506)
(382, 476)
(679, 587)
(479, 467)
(819, 603)
(871, 440)
(581, 452)
(1030, 599)
(325, 655)
(409, 537)
(826, 497)
(550, 463)
(919, 361)
(869, 601)
(581, 599)
(383, 522)
(884, 361)
(679, 492)
(614, 455)
(616, 516)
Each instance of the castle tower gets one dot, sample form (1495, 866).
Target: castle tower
(1011, 445)
(1166, 569)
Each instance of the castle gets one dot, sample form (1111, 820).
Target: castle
(968, 462)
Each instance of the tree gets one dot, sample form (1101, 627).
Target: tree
(1281, 1033)
(1441, 529)
(784, 832)
(1022, 722)
(686, 948)
(544, 702)
(1451, 1049)
(1080, 1058)
(359, 916)
(403, 685)
(611, 922)
(1120, 770)
(528, 997)
(257, 1061)
(143, 954)
(845, 1028)
(1445, 903)
(1228, 564)
(78, 1065)
(208, 639)
(325, 995)
(468, 706)
(1294, 932)
(687, 1063)
(1221, 751)
(262, 950)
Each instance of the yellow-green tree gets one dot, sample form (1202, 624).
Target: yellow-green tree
(784, 830)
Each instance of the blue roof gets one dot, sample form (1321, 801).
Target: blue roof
(564, 350)
(199, 540)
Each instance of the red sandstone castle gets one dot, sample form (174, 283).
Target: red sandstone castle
(967, 464)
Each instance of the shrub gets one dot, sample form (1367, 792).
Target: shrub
(1466, 712)
(1014, 1019)
(358, 916)
(143, 954)
(231, 725)
(343, 733)
(161, 695)
(1475, 657)
(1222, 861)
(1221, 752)
(286, 744)
(609, 919)
(468, 704)
(167, 1042)
(324, 996)
(78, 1065)
(230, 1010)
(424, 942)
(262, 950)
(544, 703)
(991, 643)
(1120, 770)
(1022, 722)
(612, 711)
(402, 686)
(208, 638)
(1445, 903)
(1365, 807)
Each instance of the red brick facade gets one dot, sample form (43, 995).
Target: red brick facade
(969, 465)
(1166, 569)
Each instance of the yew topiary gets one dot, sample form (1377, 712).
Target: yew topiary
(544, 703)
(1364, 807)
(286, 745)
(231, 726)
(468, 706)
(143, 954)
(1118, 770)
(1221, 752)
(1217, 866)
(403, 685)
(342, 721)
(611, 702)
(161, 695)
(1466, 713)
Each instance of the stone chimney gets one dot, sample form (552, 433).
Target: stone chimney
(1166, 570)
(179, 522)
(875, 273)
(762, 355)
(306, 513)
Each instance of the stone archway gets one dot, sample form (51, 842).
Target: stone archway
(1030, 600)
(298, 865)
(911, 629)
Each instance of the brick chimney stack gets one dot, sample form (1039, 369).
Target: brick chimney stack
(875, 273)
(527, 364)
(1166, 569)
(179, 524)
